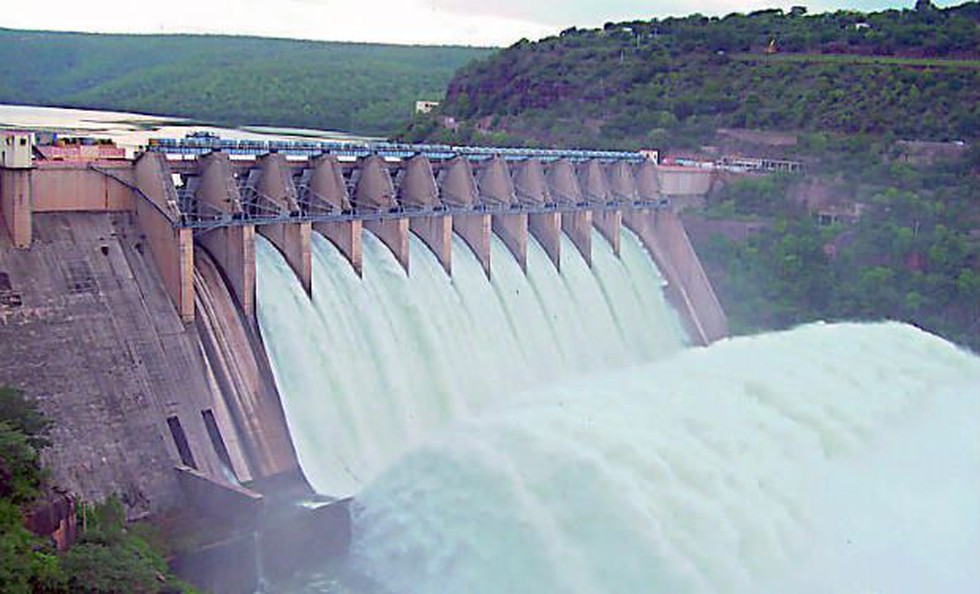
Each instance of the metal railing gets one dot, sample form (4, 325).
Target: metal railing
(197, 146)
(207, 223)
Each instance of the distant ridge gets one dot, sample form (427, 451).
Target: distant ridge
(353, 87)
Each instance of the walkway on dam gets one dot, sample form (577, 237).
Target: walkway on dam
(263, 210)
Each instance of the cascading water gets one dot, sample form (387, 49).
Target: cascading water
(830, 458)
(371, 366)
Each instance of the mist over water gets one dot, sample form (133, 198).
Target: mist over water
(490, 452)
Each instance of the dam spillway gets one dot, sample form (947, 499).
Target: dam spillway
(374, 364)
(196, 211)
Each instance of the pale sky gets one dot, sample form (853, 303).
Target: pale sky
(467, 22)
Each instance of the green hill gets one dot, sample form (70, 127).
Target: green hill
(361, 88)
(843, 92)
(911, 73)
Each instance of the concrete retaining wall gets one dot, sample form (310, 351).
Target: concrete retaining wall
(69, 188)
(98, 342)
(15, 205)
(688, 288)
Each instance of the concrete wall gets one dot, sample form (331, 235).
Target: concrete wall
(684, 181)
(711, 317)
(98, 342)
(688, 288)
(68, 187)
(15, 205)
(248, 414)
(220, 499)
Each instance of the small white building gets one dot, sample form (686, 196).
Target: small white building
(651, 154)
(16, 149)
(425, 106)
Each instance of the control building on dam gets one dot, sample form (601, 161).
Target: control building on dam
(127, 286)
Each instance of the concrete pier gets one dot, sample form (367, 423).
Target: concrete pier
(475, 232)
(457, 186)
(563, 183)
(622, 184)
(609, 223)
(375, 192)
(647, 181)
(530, 183)
(394, 234)
(327, 192)
(496, 190)
(326, 189)
(418, 191)
(275, 187)
(593, 183)
(495, 185)
(577, 226)
(546, 228)
(437, 234)
(512, 230)
(172, 248)
(233, 248)
(346, 236)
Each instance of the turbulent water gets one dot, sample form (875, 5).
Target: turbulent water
(488, 454)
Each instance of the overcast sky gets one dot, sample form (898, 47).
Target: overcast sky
(468, 22)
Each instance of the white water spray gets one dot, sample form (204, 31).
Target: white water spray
(831, 458)
(840, 459)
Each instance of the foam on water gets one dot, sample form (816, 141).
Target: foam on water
(826, 459)
(487, 454)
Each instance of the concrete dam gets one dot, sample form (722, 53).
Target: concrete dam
(138, 296)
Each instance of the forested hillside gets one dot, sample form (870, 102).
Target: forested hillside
(911, 73)
(361, 88)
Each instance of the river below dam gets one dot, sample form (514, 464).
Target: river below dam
(551, 433)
